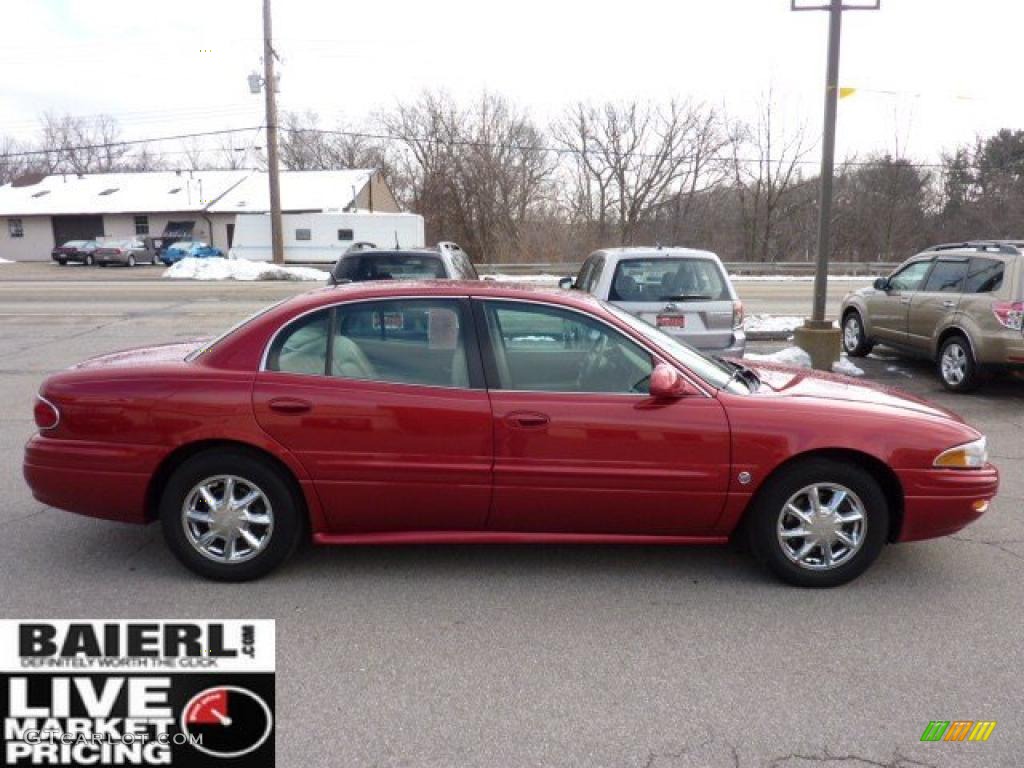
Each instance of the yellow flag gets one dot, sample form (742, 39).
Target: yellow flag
(844, 92)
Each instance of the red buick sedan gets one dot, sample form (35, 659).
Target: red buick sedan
(377, 413)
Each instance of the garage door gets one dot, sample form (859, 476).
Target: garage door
(76, 228)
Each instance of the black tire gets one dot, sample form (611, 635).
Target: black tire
(957, 369)
(89, 261)
(768, 516)
(855, 342)
(62, 261)
(288, 513)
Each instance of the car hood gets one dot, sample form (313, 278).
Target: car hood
(175, 352)
(782, 381)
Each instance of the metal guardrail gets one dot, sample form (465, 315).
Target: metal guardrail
(780, 268)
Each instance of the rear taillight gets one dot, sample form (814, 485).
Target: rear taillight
(46, 414)
(737, 314)
(1009, 314)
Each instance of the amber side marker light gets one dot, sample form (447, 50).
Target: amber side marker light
(46, 414)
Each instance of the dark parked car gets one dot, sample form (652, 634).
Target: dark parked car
(364, 261)
(78, 251)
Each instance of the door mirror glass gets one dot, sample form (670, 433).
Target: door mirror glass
(667, 383)
(882, 284)
(566, 283)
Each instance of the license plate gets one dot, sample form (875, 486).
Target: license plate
(671, 321)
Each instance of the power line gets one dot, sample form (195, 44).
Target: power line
(126, 142)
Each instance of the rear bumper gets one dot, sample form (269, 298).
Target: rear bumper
(107, 258)
(938, 502)
(102, 480)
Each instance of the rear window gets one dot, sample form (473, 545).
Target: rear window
(668, 279)
(984, 276)
(946, 277)
(398, 266)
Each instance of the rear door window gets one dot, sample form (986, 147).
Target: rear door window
(946, 277)
(984, 276)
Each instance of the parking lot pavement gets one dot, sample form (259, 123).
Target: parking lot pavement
(560, 656)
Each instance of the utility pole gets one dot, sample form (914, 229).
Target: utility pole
(269, 85)
(817, 336)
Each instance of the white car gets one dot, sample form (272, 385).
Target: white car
(683, 292)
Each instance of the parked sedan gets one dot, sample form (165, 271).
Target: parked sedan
(458, 411)
(185, 248)
(682, 291)
(79, 251)
(127, 253)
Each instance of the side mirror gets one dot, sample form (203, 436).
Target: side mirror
(882, 284)
(668, 384)
(566, 283)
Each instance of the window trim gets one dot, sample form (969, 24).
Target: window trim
(474, 362)
(490, 365)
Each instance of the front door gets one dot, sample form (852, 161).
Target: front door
(384, 405)
(888, 310)
(580, 447)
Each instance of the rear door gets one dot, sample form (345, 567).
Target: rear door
(889, 310)
(684, 296)
(390, 418)
(936, 301)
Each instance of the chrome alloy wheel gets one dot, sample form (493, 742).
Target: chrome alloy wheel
(227, 519)
(822, 526)
(851, 333)
(954, 363)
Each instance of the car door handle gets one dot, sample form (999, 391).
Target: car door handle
(289, 405)
(904, 300)
(527, 420)
(949, 304)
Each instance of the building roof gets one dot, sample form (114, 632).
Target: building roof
(243, 191)
(300, 191)
(98, 193)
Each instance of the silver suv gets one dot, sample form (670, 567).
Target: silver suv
(683, 292)
(959, 304)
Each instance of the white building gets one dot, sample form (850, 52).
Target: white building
(39, 212)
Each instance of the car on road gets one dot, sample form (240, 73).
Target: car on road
(77, 251)
(395, 412)
(175, 252)
(126, 253)
(365, 261)
(684, 292)
(959, 304)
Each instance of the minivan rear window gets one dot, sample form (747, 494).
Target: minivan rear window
(668, 279)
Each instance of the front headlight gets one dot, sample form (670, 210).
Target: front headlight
(971, 455)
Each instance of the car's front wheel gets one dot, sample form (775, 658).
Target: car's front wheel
(956, 365)
(855, 341)
(230, 515)
(819, 523)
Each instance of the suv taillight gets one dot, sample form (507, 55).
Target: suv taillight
(46, 414)
(1009, 314)
(737, 314)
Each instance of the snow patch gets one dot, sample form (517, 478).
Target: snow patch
(797, 358)
(191, 268)
(772, 323)
(5, 261)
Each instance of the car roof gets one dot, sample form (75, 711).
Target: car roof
(655, 252)
(392, 252)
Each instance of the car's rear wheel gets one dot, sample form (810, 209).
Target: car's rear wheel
(855, 341)
(957, 367)
(819, 523)
(230, 515)
(89, 260)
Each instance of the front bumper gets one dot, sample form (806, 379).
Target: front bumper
(938, 502)
(105, 480)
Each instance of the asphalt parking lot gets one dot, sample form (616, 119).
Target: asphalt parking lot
(643, 657)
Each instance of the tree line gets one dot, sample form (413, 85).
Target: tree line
(486, 174)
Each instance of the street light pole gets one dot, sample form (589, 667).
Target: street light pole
(817, 336)
(269, 83)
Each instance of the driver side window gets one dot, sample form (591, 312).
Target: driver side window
(546, 349)
(910, 277)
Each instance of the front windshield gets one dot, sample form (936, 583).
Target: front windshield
(715, 372)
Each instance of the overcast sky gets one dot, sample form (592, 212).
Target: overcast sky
(930, 73)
